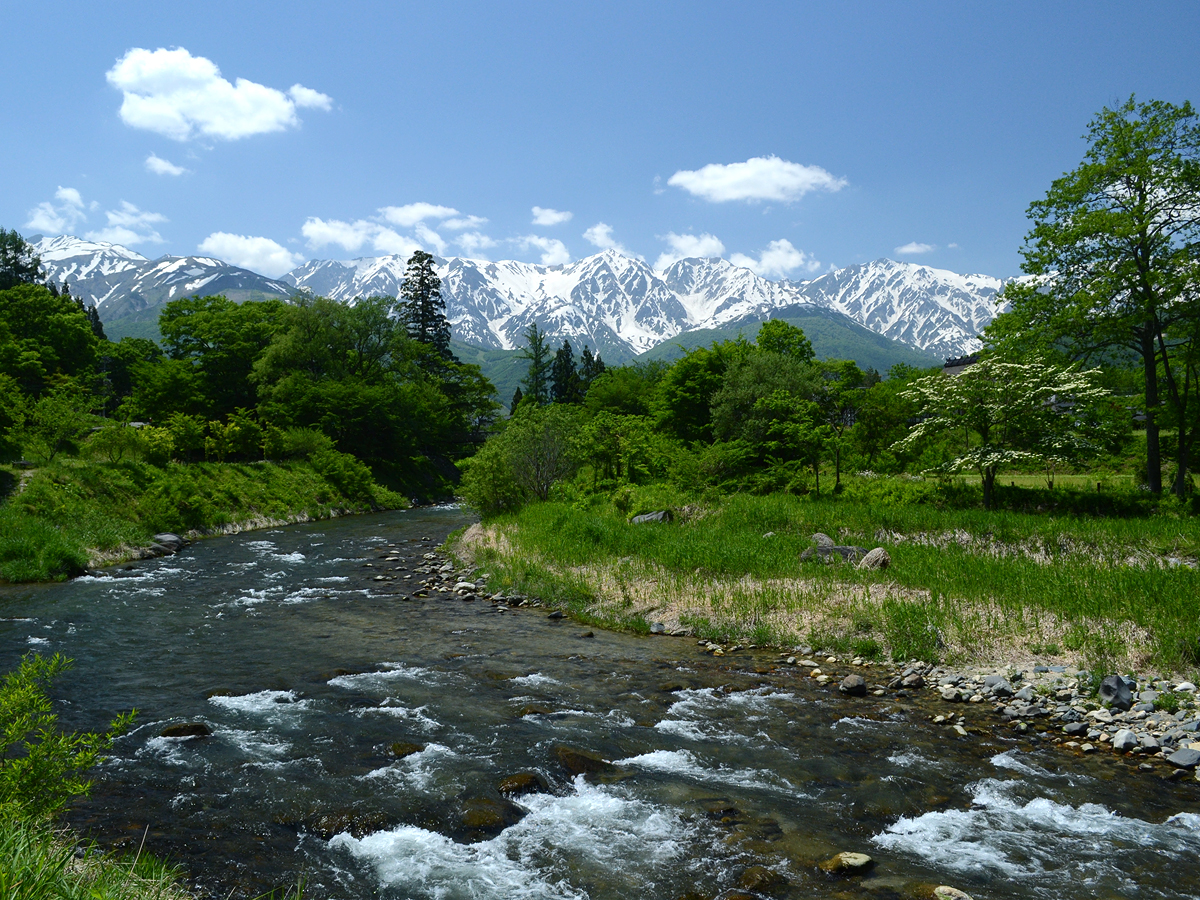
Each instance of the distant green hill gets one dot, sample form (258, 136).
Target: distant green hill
(833, 336)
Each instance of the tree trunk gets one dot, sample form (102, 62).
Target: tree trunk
(989, 487)
(1153, 453)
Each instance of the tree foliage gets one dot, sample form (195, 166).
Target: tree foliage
(1007, 413)
(424, 308)
(1115, 251)
(19, 264)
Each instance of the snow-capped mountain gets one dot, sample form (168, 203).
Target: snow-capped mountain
(122, 283)
(932, 309)
(614, 303)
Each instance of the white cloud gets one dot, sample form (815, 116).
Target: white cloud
(350, 236)
(307, 98)
(600, 235)
(688, 246)
(759, 178)
(952, 246)
(58, 218)
(550, 216)
(912, 247)
(129, 226)
(389, 242)
(472, 242)
(410, 215)
(554, 251)
(463, 222)
(779, 260)
(430, 239)
(259, 254)
(175, 94)
(160, 166)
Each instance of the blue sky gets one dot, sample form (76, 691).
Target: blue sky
(789, 137)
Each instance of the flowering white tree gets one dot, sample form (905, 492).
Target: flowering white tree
(1010, 412)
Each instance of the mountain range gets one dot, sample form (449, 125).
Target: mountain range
(614, 303)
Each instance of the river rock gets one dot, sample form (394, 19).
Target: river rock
(172, 542)
(1185, 687)
(1026, 694)
(945, 892)
(1076, 729)
(913, 681)
(998, 685)
(1116, 693)
(484, 817)
(186, 730)
(848, 864)
(1124, 741)
(762, 880)
(1185, 758)
(658, 628)
(876, 559)
(357, 823)
(853, 686)
(580, 762)
(522, 783)
(1150, 743)
(823, 541)
(663, 515)
(950, 694)
(401, 749)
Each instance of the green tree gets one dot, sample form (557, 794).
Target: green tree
(590, 368)
(44, 335)
(565, 383)
(424, 308)
(778, 336)
(57, 420)
(683, 407)
(840, 399)
(1115, 248)
(517, 397)
(1007, 413)
(537, 380)
(19, 264)
(222, 340)
(626, 390)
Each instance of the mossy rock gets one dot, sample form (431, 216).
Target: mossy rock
(522, 783)
(401, 749)
(186, 730)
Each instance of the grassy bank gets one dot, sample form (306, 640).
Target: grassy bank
(58, 519)
(964, 584)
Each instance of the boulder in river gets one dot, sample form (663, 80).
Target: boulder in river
(853, 686)
(186, 730)
(486, 817)
(945, 892)
(762, 880)
(580, 762)
(1124, 741)
(1185, 758)
(401, 749)
(1116, 693)
(848, 864)
(522, 783)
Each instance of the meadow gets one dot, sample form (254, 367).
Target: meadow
(1042, 582)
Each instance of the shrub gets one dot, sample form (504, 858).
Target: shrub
(347, 473)
(41, 768)
(157, 445)
(187, 435)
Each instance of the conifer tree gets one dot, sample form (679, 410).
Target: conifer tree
(537, 381)
(424, 308)
(565, 386)
(590, 367)
(516, 400)
(19, 264)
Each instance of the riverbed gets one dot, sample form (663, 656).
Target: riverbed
(361, 735)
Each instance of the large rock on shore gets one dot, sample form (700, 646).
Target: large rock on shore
(1114, 691)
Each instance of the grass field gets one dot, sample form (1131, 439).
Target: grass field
(964, 584)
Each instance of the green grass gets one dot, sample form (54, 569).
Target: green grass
(38, 863)
(963, 582)
(67, 509)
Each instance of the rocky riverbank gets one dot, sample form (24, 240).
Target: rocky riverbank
(1154, 721)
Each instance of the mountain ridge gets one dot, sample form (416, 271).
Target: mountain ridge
(616, 304)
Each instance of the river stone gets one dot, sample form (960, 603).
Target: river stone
(848, 864)
(1026, 694)
(401, 749)
(1115, 692)
(950, 694)
(823, 541)
(999, 685)
(913, 681)
(484, 817)
(580, 762)
(171, 541)
(945, 892)
(1185, 687)
(877, 559)
(522, 783)
(1124, 741)
(658, 628)
(762, 880)
(186, 730)
(853, 686)
(356, 823)
(1184, 759)
(1150, 743)
(1076, 729)
(663, 515)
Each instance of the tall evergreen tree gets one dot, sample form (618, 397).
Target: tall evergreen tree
(565, 386)
(424, 308)
(516, 400)
(590, 367)
(537, 351)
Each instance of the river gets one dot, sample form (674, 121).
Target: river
(360, 738)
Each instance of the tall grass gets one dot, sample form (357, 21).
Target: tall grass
(964, 582)
(67, 509)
